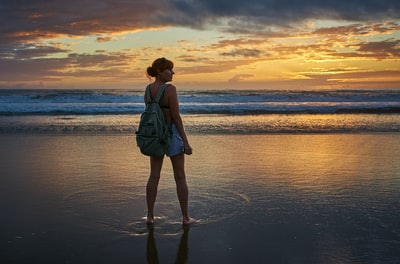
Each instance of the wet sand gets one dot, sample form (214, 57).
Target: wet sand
(284, 198)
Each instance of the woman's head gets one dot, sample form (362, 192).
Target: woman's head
(159, 65)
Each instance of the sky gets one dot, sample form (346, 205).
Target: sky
(224, 44)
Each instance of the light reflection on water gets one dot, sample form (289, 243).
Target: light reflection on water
(344, 188)
(208, 124)
(341, 188)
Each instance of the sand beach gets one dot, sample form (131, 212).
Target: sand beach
(277, 198)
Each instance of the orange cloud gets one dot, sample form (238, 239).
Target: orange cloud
(252, 35)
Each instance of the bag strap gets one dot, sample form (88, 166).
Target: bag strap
(161, 92)
(158, 97)
(147, 93)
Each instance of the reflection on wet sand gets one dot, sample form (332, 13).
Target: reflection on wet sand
(183, 249)
(328, 198)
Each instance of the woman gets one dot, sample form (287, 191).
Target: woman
(161, 70)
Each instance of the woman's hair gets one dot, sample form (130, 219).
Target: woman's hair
(159, 65)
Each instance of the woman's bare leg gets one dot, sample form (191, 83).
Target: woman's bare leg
(178, 164)
(152, 186)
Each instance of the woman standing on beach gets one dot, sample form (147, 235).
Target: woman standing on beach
(161, 70)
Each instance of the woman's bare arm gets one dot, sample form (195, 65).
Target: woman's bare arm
(176, 116)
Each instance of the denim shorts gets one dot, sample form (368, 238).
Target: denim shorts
(177, 146)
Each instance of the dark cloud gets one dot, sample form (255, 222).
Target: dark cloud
(31, 20)
(12, 70)
(190, 58)
(237, 42)
(105, 39)
(74, 65)
(359, 29)
(259, 13)
(243, 53)
(113, 59)
(26, 20)
(29, 51)
(388, 49)
(381, 49)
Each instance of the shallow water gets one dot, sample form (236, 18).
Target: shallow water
(206, 124)
(311, 198)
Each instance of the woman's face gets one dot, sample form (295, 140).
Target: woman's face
(166, 75)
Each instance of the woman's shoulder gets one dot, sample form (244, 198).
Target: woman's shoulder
(171, 86)
(170, 89)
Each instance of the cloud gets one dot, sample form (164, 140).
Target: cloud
(238, 42)
(388, 79)
(243, 53)
(359, 29)
(45, 18)
(105, 39)
(191, 58)
(41, 19)
(239, 77)
(26, 70)
(388, 49)
(262, 13)
(381, 49)
(101, 64)
(266, 30)
(91, 60)
(214, 66)
(30, 51)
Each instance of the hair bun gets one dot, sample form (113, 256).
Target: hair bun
(151, 72)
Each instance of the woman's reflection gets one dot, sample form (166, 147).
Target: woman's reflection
(183, 249)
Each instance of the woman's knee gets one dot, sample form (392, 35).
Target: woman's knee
(180, 177)
(155, 177)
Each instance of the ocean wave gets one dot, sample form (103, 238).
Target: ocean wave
(100, 102)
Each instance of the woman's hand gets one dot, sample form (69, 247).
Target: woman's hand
(188, 149)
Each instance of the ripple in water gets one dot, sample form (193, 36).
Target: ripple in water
(207, 207)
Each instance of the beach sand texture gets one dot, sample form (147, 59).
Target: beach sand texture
(278, 198)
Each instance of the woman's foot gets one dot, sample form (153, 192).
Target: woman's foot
(188, 221)
(150, 220)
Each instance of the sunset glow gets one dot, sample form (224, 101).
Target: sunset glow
(214, 44)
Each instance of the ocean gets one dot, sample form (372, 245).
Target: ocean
(204, 111)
